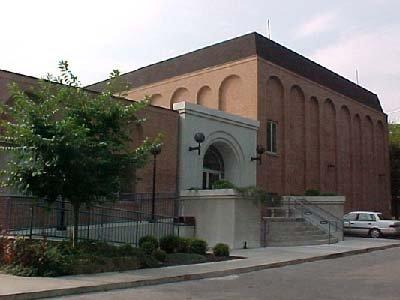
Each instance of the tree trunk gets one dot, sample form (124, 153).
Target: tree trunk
(76, 207)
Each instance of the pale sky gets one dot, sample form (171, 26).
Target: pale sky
(96, 36)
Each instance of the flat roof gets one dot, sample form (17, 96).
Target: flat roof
(240, 48)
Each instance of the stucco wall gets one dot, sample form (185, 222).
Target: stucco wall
(222, 216)
(235, 138)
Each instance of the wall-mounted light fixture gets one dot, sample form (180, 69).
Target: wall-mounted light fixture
(260, 150)
(199, 138)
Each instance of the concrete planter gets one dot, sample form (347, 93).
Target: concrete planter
(223, 216)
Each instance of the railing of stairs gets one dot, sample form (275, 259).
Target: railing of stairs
(326, 221)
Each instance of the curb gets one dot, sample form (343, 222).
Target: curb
(186, 277)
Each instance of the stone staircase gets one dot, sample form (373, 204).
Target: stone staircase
(294, 232)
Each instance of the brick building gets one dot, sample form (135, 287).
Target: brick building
(320, 130)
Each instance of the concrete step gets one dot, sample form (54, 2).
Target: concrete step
(301, 243)
(302, 227)
(313, 231)
(284, 220)
(295, 232)
(299, 237)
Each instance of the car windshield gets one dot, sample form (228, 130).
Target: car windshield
(383, 217)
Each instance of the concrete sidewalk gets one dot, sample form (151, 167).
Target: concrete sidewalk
(13, 287)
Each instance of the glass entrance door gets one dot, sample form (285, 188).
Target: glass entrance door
(213, 167)
(210, 177)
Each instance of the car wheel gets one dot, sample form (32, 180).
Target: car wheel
(375, 233)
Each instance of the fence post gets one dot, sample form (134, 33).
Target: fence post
(329, 231)
(88, 224)
(9, 215)
(31, 222)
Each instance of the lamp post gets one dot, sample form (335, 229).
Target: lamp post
(260, 150)
(155, 151)
(199, 137)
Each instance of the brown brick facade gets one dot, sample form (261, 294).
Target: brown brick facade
(326, 141)
(165, 122)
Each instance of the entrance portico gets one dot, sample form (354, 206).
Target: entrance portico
(230, 142)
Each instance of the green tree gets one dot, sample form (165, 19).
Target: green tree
(69, 142)
(394, 148)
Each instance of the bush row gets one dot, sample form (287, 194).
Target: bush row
(173, 244)
(46, 258)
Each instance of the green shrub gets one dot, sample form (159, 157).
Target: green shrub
(160, 255)
(31, 258)
(149, 238)
(183, 245)
(223, 184)
(328, 194)
(150, 261)
(66, 248)
(99, 248)
(17, 251)
(52, 263)
(126, 263)
(221, 249)
(169, 243)
(128, 250)
(198, 246)
(311, 192)
(258, 195)
(185, 258)
(148, 247)
(3, 247)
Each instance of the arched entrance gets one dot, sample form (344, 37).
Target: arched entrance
(213, 167)
(230, 141)
(221, 161)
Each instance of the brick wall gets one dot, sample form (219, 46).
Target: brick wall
(164, 121)
(325, 141)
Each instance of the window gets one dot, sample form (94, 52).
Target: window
(365, 217)
(350, 217)
(383, 217)
(271, 137)
(213, 167)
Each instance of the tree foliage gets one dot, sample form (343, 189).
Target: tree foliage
(70, 142)
(394, 147)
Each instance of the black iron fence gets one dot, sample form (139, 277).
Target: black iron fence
(165, 204)
(112, 223)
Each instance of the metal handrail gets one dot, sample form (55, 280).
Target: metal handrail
(306, 212)
(319, 212)
(309, 210)
(332, 216)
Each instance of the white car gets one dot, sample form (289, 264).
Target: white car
(368, 223)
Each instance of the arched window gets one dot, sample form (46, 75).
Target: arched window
(213, 167)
